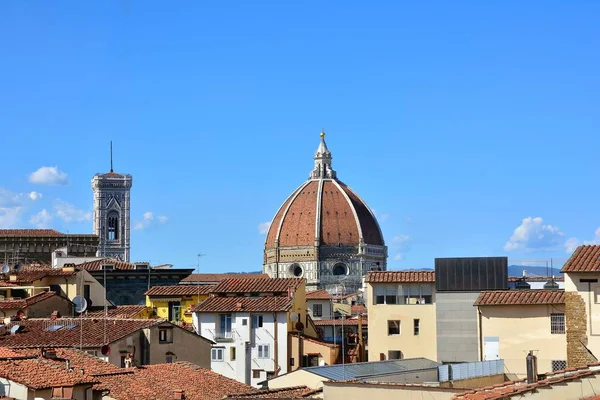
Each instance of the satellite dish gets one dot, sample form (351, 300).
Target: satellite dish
(17, 267)
(15, 329)
(5, 269)
(294, 317)
(80, 304)
(6, 320)
(105, 350)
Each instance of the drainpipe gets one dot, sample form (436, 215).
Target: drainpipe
(480, 335)
(276, 345)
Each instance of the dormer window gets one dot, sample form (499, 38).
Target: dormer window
(108, 267)
(112, 233)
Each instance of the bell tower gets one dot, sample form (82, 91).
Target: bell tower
(112, 213)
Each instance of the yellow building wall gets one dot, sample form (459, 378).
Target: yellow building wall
(327, 354)
(411, 346)
(384, 392)
(162, 306)
(520, 329)
(299, 306)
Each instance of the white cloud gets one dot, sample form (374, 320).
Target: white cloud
(34, 196)
(148, 219)
(572, 243)
(49, 176)
(401, 245)
(41, 219)
(384, 217)
(11, 208)
(69, 213)
(399, 257)
(533, 234)
(263, 227)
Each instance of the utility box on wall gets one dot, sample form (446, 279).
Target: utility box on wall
(470, 274)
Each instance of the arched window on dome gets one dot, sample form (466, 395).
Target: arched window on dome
(112, 231)
(340, 269)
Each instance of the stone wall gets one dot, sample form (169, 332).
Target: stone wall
(576, 326)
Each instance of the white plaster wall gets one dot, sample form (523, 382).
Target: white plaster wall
(12, 389)
(325, 305)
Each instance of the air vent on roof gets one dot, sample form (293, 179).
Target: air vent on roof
(521, 284)
(551, 284)
(69, 265)
(142, 265)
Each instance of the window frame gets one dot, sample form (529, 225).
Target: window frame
(264, 351)
(254, 373)
(319, 307)
(397, 324)
(168, 335)
(416, 326)
(216, 351)
(257, 321)
(557, 323)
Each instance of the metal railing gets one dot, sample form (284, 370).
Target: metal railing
(224, 336)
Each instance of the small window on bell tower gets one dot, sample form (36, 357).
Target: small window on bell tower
(112, 232)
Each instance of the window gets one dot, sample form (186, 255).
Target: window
(339, 269)
(86, 293)
(216, 354)
(170, 357)
(416, 327)
(123, 361)
(558, 365)
(224, 327)
(379, 295)
(393, 327)
(291, 362)
(257, 321)
(112, 233)
(244, 321)
(557, 323)
(256, 373)
(391, 294)
(232, 353)
(395, 355)
(263, 351)
(317, 310)
(270, 375)
(92, 353)
(165, 335)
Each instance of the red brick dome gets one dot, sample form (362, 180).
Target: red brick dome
(323, 211)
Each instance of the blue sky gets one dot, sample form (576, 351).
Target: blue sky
(472, 128)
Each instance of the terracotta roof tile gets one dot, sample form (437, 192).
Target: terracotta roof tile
(29, 232)
(215, 278)
(244, 304)
(35, 333)
(536, 278)
(126, 311)
(180, 290)
(347, 321)
(8, 353)
(27, 302)
(407, 276)
(520, 297)
(96, 265)
(78, 359)
(159, 382)
(30, 274)
(318, 295)
(272, 285)
(585, 259)
(355, 310)
(281, 393)
(40, 374)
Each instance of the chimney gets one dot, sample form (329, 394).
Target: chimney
(55, 315)
(179, 394)
(68, 364)
(51, 354)
(531, 361)
(239, 306)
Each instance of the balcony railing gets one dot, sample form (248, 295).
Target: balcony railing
(225, 336)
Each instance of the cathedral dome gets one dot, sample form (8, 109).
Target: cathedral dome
(323, 211)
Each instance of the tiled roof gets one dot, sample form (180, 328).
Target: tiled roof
(292, 392)
(318, 295)
(214, 278)
(29, 232)
(159, 381)
(96, 265)
(240, 304)
(536, 278)
(272, 285)
(27, 302)
(8, 353)
(519, 388)
(520, 297)
(408, 276)
(40, 374)
(315, 340)
(126, 311)
(35, 333)
(78, 359)
(586, 258)
(30, 274)
(179, 290)
(8, 284)
(347, 322)
(355, 310)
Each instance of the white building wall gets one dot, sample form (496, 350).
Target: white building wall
(325, 305)
(12, 389)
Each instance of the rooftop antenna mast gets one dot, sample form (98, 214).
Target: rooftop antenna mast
(111, 157)
(198, 271)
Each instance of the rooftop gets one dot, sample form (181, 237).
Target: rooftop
(67, 332)
(29, 232)
(97, 265)
(586, 258)
(27, 302)
(369, 369)
(179, 290)
(271, 285)
(408, 276)
(520, 297)
(347, 321)
(28, 274)
(215, 278)
(318, 295)
(126, 311)
(536, 278)
(292, 392)
(41, 374)
(244, 304)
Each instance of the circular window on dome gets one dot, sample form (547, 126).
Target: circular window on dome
(340, 269)
(296, 270)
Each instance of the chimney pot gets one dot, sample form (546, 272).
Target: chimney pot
(179, 394)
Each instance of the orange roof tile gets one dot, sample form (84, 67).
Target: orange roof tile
(585, 259)
(318, 295)
(179, 290)
(78, 359)
(8, 353)
(347, 321)
(40, 374)
(292, 392)
(126, 311)
(355, 310)
(272, 285)
(34, 273)
(215, 278)
(408, 276)
(244, 304)
(27, 302)
(96, 265)
(29, 232)
(520, 297)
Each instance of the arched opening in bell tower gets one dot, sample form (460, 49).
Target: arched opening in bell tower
(112, 232)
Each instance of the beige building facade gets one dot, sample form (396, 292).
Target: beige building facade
(402, 315)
